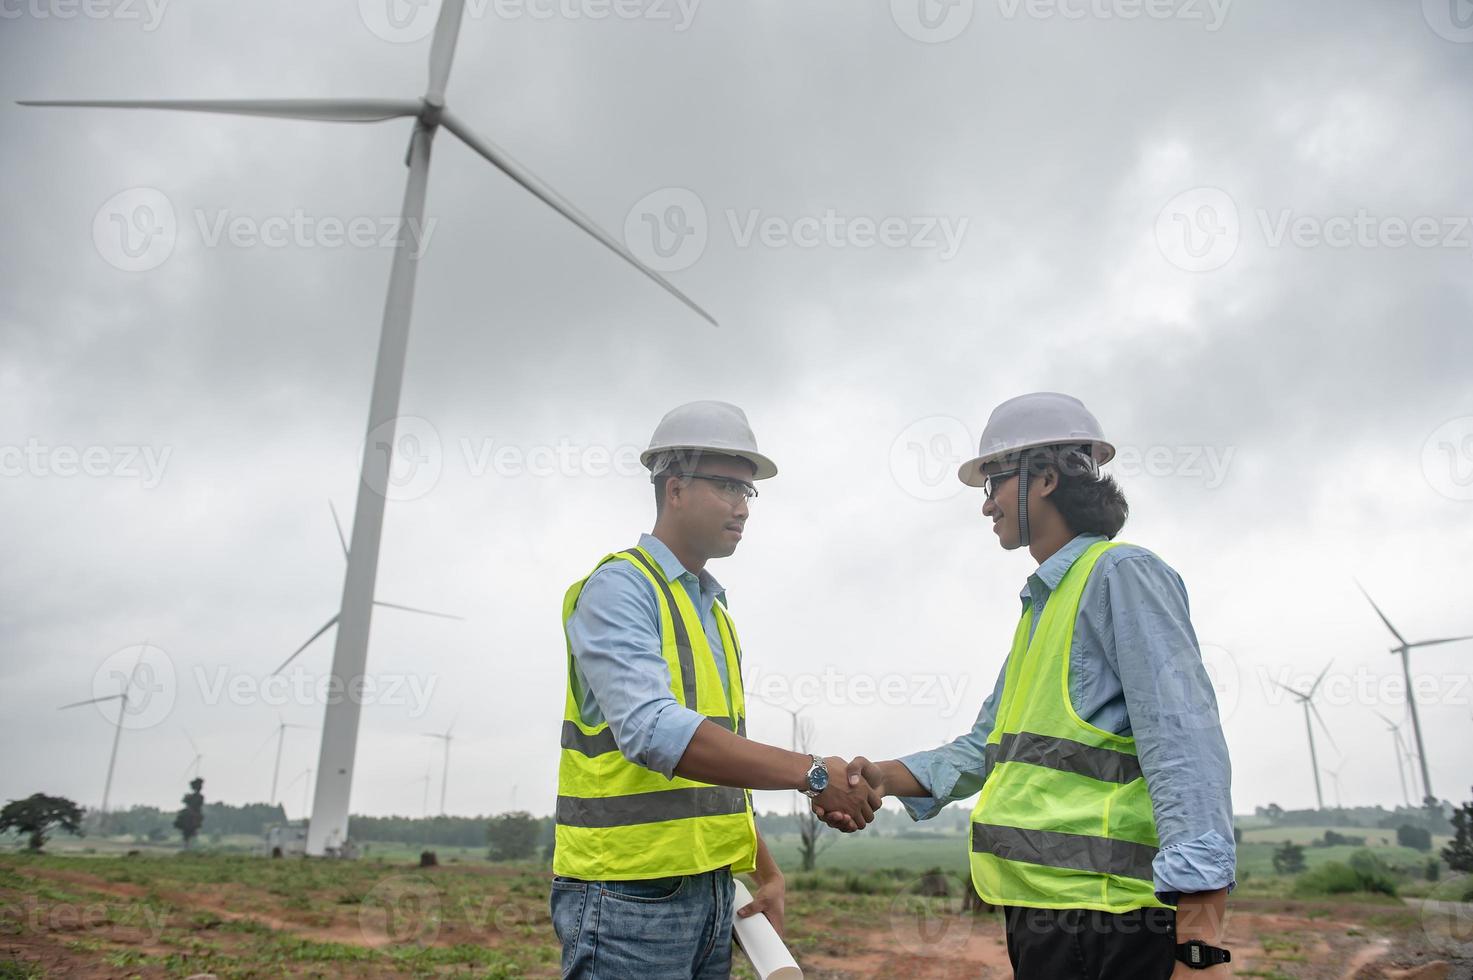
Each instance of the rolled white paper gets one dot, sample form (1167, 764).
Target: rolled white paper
(760, 941)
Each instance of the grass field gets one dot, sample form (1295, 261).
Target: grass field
(166, 913)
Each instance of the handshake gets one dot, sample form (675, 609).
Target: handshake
(855, 791)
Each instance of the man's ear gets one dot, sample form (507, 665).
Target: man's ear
(1048, 480)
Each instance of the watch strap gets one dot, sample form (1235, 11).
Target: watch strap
(1199, 956)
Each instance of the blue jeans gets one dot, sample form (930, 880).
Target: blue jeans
(653, 929)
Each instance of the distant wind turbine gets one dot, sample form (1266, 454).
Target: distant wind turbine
(1404, 648)
(444, 772)
(1401, 776)
(329, 826)
(425, 779)
(306, 786)
(1306, 699)
(199, 756)
(338, 615)
(1334, 775)
(280, 736)
(122, 698)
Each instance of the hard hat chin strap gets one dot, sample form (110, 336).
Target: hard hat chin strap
(1023, 500)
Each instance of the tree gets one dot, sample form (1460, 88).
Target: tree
(1459, 853)
(512, 836)
(38, 814)
(1289, 859)
(1417, 838)
(811, 838)
(192, 817)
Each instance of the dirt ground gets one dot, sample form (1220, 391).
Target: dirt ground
(51, 931)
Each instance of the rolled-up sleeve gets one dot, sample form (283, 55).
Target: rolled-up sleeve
(955, 770)
(1175, 723)
(614, 634)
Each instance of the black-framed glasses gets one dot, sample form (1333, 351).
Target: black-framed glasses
(995, 480)
(727, 486)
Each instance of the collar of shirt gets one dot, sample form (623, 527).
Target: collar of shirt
(706, 583)
(1046, 578)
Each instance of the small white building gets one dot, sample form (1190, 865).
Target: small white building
(289, 837)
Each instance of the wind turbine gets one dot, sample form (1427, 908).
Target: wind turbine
(793, 713)
(425, 779)
(447, 737)
(305, 787)
(122, 697)
(1334, 775)
(198, 755)
(1401, 776)
(1404, 648)
(338, 615)
(280, 736)
(1306, 699)
(329, 827)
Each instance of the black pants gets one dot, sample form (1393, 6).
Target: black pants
(1064, 944)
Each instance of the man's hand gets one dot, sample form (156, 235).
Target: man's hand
(854, 793)
(847, 796)
(769, 899)
(860, 772)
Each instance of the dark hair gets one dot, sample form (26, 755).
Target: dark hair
(1090, 505)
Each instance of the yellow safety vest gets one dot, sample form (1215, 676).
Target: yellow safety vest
(617, 821)
(1064, 818)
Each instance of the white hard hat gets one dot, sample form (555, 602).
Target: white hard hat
(717, 427)
(1043, 418)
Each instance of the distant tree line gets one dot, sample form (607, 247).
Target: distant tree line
(1434, 821)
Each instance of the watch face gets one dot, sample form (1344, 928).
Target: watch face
(818, 779)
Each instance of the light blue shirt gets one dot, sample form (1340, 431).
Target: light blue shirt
(1134, 669)
(619, 672)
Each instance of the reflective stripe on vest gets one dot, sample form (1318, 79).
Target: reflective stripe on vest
(1075, 851)
(1064, 754)
(666, 804)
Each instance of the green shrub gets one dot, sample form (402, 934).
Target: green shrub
(1365, 872)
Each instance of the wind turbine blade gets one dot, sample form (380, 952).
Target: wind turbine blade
(1298, 694)
(558, 203)
(263, 745)
(395, 605)
(1399, 637)
(74, 704)
(325, 627)
(1391, 724)
(191, 740)
(339, 525)
(442, 49)
(320, 110)
(1315, 686)
(1428, 643)
(1323, 727)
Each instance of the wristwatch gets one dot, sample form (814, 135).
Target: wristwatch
(818, 778)
(1199, 956)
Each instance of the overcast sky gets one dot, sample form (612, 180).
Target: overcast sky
(1239, 231)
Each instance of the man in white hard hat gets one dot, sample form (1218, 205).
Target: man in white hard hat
(654, 812)
(1104, 820)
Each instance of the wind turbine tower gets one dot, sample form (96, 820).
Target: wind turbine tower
(328, 831)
